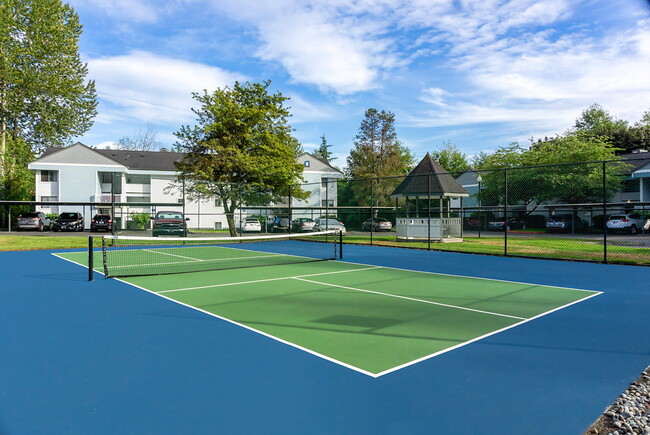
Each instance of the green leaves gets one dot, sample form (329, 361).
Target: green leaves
(44, 96)
(241, 149)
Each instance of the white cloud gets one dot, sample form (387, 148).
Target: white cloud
(320, 43)
(152, 88)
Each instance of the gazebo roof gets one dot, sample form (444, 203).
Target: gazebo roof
(429, 180)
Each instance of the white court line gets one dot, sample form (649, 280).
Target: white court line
(173, 255)
(349, 366)
(195, 260)
(265, 280)
(470, 277)
(411, 299)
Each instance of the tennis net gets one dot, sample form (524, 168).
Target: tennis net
(125, 256)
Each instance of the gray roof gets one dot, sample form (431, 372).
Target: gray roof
(429, 178)
(636, 160)
(142, 160)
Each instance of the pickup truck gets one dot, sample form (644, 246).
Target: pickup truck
(169, 223)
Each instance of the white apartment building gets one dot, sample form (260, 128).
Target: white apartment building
(79, 173)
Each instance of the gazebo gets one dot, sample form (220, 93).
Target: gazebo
(430, 182)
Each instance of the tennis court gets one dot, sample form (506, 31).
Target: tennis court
(369, 318)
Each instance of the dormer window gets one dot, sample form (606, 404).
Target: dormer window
(307, 163)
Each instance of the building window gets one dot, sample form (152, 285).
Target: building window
(180, 200)
(218, 203)
(138, 179)
(325, 182)
(49, 176)
(138, 199)
(49, 198)
(307, 163)
(327, 203)
(105, 177)
(217, 225)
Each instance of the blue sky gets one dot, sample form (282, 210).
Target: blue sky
(478, 73)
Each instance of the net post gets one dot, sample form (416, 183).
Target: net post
(340, 245)
(90, 259)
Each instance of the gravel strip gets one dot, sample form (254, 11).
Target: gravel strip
(630, 413)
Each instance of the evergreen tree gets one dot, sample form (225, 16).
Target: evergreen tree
(323, 151)
(44, 96)
(377, 153)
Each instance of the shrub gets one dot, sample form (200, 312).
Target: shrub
(141, 220)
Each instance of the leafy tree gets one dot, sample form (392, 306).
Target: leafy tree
(141, 140)
(451, 158)
(241, 149)
(323, 151)
(44, 96)
(596, 122)
(545, 173)
(377, 153)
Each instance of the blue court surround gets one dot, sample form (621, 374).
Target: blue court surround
(105, 357)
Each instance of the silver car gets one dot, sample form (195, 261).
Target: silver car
(629, 223)
(323, 224)
(34, 220)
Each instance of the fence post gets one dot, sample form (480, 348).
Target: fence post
(290, 210)
(604, 212)
(90, 259)
(372, 205)
(505, 212)
(429, 212)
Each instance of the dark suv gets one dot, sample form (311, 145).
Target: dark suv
(169, 223)
(101, 222)
(69, 221)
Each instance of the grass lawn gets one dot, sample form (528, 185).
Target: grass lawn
(565, 248)
(562, 248)
(26, 243)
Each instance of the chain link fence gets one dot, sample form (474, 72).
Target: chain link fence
(596, 211)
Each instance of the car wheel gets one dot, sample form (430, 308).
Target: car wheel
(55, 230)
(633, 229)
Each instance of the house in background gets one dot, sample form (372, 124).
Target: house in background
(79, 173)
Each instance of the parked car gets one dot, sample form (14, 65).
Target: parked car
(101, 222)
(69, 221)
(629, 223)
(324, 224)
(566, 223)
(251, 224)
(169, 223)
(302, 224)
(279, 223)
(377, 224)
(34, 220)
(499, 224)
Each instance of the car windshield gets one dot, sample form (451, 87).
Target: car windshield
(617, 218)
(169, 215)
(68, 216)
(329, 222)
(252, 220)
(28, 215)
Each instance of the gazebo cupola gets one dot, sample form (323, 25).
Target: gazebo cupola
(429, 182)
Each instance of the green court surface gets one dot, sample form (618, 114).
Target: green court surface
(371, 319)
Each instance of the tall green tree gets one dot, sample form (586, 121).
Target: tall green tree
(241, 150)
(597, 123)
(451, 158)
(44, 96)
(323, 151)
(377, 153)
(559, 170)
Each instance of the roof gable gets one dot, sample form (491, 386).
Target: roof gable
(429, 178)
(75, 154)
